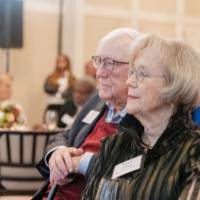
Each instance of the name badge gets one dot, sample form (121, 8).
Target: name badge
(90, 117)
(126, 167)
(67, 119)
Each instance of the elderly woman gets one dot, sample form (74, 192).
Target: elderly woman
(156, 155)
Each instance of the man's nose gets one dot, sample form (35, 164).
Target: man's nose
(101, 71)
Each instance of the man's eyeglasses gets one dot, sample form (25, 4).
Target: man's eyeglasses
(140, 74)
(107, 64)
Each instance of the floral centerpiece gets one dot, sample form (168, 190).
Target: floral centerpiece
(11, 116)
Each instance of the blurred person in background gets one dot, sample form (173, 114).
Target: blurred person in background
(61, 81)
(196, 116)
(83, 87)
(59, 86)
(12, 115)
(5, 86)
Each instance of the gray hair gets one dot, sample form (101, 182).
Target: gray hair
(180, 64)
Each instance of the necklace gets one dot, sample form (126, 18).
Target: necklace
(151, 135)
(146, 147)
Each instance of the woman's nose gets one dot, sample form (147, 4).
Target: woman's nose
(131, 81)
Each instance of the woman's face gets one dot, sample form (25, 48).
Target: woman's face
(62, 63)
(145, 84)
(5, 89)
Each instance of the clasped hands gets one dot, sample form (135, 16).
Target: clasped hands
(63, 161)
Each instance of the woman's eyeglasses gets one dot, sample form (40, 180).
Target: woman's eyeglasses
(140, 74)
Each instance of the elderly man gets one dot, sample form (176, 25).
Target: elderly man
(97, 120)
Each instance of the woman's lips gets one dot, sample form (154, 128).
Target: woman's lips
(132, 97)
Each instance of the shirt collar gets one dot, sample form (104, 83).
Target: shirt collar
(114, 117)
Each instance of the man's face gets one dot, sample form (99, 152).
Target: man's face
(111, 81)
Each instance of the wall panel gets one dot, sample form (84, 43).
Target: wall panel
(162, 29)
(192, 8)
(95, 28)
(161, 6)
(110, 3)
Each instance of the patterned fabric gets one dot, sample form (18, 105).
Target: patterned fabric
(170, 170)
(113, 117)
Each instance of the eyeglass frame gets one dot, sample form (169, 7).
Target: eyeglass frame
(135, 72)
(102, 65)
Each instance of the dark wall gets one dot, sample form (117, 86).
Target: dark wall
(11, 23)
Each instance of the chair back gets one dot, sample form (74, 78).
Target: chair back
(20, 151)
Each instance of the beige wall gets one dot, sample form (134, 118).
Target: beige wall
(102, 26)
(31, 64)
(87, 22)
(173, 18)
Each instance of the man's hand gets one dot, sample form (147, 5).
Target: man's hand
(60, 164)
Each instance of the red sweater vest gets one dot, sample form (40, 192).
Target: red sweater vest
(101, 130)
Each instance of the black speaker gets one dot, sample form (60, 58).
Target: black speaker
(11, 23)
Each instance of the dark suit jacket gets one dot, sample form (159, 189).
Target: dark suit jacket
(78, 132)
(67, 108)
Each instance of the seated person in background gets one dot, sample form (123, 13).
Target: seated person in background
(60, 83)
(82, 89)
(159, 159)
(11, 114)
(196, 116)
(97, 119)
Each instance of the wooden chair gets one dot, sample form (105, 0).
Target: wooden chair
(20, 151)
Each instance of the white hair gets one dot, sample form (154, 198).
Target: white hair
(121, 38)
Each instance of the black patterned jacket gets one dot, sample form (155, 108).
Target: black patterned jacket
(170, 170)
